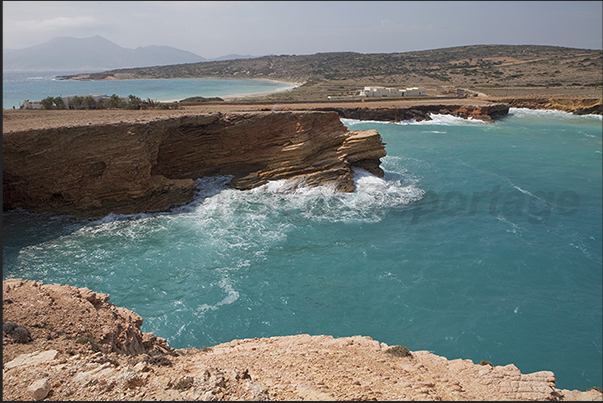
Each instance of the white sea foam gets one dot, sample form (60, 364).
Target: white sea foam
(515, 229)
(232, 295)
(436, 119)
(521, 112)
(444, 120)
(372, 198)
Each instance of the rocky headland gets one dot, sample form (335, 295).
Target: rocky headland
(577, 106)
(66, 343)
(92, 163)
(486, 113)
(131, 167)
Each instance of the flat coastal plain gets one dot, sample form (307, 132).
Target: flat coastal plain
(23, 120)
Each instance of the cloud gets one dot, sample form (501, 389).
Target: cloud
(53, 24)
(29, 32)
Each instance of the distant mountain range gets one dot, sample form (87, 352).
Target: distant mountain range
(95, 54)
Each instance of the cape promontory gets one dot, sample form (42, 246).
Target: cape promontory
(132, 167)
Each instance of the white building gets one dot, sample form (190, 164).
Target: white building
(31, 105)
(415, 92)
(379, 92)
(392, 92)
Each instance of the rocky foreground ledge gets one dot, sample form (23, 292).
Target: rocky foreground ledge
(67, 343)
(132, 167)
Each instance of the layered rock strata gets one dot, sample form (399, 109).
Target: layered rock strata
(127, 168)
(486, 113)
(84, 348)
(577, 106)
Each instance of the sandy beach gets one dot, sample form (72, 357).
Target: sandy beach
(289, 87)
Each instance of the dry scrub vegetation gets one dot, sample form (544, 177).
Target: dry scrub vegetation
(496, 70)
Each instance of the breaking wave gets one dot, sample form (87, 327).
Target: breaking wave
(548, 113)
(436, 119)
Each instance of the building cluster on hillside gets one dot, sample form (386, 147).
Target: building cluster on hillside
(381, 92)
(392, 92)
(27, 104)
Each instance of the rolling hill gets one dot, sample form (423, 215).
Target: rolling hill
(479, 64)
(90, 54)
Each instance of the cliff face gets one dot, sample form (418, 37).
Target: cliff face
(486, 113)
(143, 167)
(577, 106)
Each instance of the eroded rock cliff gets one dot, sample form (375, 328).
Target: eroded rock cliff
(486, 113)
(577, 106)
(127, 168)
(81, 347)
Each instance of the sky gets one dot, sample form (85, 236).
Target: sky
(216, 28)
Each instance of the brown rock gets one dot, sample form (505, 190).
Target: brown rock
(39, 389)
(129, 167)
(421, 112)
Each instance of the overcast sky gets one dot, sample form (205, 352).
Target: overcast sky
(212, 29)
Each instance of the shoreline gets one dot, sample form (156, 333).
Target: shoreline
(233, 97)
(79, 347)
(32, 119)
(245, 355)
(288, 87)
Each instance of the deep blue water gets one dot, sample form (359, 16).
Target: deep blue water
(20, 86)
(482, 241)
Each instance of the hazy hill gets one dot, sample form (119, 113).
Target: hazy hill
(232, 56)
(479, 65)
(93, 54)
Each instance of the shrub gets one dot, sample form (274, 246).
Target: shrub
(399, 351)
(160, 360)
(171, 105)
(482, 362)
(58, 102)
(47, 102)
(76, 102)
(184, 383)
(88, 340)
(202, 99)
(18, 333)
(89, 102)
(114, 102)
(134, 102)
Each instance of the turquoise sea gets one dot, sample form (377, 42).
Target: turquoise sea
(482, 242)
(20, 86)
